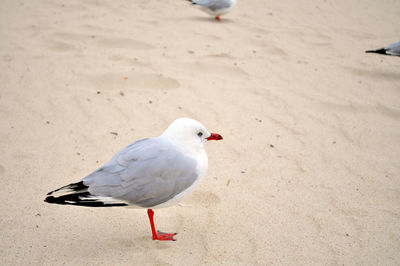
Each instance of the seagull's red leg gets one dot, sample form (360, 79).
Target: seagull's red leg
(218, 18)
(150, 213)
(158, 235)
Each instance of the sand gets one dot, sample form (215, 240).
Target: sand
(308, 171)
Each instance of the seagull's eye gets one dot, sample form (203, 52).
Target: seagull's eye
(200, 134)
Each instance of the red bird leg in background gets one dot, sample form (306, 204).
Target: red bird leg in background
(158, 235)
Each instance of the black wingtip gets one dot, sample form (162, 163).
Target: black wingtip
(73, 186)
(78, 194)
(76, 187)
(50, 199)
(81, 199)
(379, 51)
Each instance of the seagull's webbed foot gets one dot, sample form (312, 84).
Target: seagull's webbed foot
(157, 235)
(164, 236)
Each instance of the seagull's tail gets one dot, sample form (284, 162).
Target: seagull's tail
(78, 194)
(379, 51)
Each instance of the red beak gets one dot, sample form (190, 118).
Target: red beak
(215, 136)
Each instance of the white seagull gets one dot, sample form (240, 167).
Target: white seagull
(215, 8)
(393, 49)
(149, 173)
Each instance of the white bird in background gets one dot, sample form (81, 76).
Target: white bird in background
(393, 49)
(149, 173)
(215, 8)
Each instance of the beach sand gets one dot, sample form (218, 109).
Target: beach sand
(308, 172)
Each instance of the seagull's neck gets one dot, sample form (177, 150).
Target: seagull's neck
(191, 148)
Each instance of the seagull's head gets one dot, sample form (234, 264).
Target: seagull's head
(190, 132)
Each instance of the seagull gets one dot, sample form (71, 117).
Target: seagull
(393, 49)
(149, 173)
(214, 7)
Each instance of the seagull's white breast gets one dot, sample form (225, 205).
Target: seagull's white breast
(202, 166)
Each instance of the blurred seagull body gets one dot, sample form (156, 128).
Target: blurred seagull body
(215, 8)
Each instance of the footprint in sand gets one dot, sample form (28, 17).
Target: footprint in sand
(131, 80)
(206, 198)
(126, 43)
(216, 69)
(71, 41)
(59, 46)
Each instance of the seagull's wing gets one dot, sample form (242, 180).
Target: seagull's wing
(145, 173)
